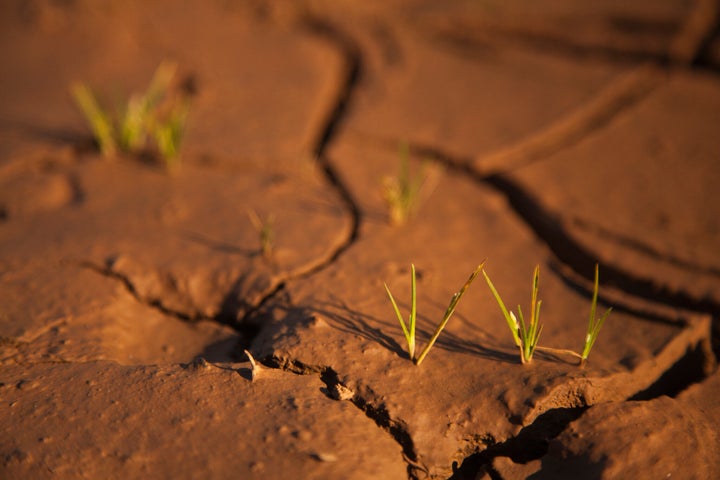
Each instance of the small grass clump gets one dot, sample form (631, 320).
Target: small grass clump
(266, 233)
(409, 327)
(403, 192)
(526, 335)
(594, 324)
(156, 114)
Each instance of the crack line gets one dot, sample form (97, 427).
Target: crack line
(352, 71)
(397, 429)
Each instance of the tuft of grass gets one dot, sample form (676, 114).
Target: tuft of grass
(403, 192)
(408, 327)
(266, 233)
(594, 324)
(526, 335)
(155, 114)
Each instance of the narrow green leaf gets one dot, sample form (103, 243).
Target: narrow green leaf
(413, 311)
(594, 324)
(533, 300)
(508, 319)
(397, 313)
(99, 121)
(449, 312)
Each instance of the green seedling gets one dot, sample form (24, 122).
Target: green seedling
(594, 324)
(140, 118)
(168, 134)
(409, 327)
(100, 122)
(266, 233)
(155, 114)
(403, 192)
(526, 336)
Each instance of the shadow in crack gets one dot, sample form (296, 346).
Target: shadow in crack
(549, 227)
(248, 293)
(641, 247)
(530, 443)
(225, 350)
(581, 466)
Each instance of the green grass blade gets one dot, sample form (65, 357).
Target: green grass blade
(594, 324)
(534, 300)
(508, 319)
(535, 341)
(524, 335)
(593, 334)
(413, 312)
(593, 304)
(138, 121)
(160, 84)
(600, 323)
(99, 121)
(134, 124)
(449, 313)
(168, 133)
(397, 313)
(529, 333)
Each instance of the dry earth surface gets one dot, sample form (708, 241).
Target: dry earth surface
(554, 132)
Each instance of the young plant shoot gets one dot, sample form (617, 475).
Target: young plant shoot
(409, 327)
(449, 312)
(157, 114)
(404, 192)
(266, 233)
(526, 335)
(594, 324)
(100, 122)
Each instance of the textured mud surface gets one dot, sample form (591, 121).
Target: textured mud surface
(556, 134)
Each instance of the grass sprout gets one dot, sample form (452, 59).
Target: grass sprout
(408, 327)
(266, 233)
(158, 114)
(168, 134)
(404, 192)
(100, 122)
(526, 335)
(594, 324)
(449, 312)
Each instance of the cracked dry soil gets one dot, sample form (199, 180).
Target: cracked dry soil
(559, 135)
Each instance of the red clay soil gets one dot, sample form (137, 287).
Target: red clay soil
(556, 134)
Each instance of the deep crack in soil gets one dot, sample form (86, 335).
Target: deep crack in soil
(529, 444)
(532, 441)
(377, 413)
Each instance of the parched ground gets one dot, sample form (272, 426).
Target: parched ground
(554, 133)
